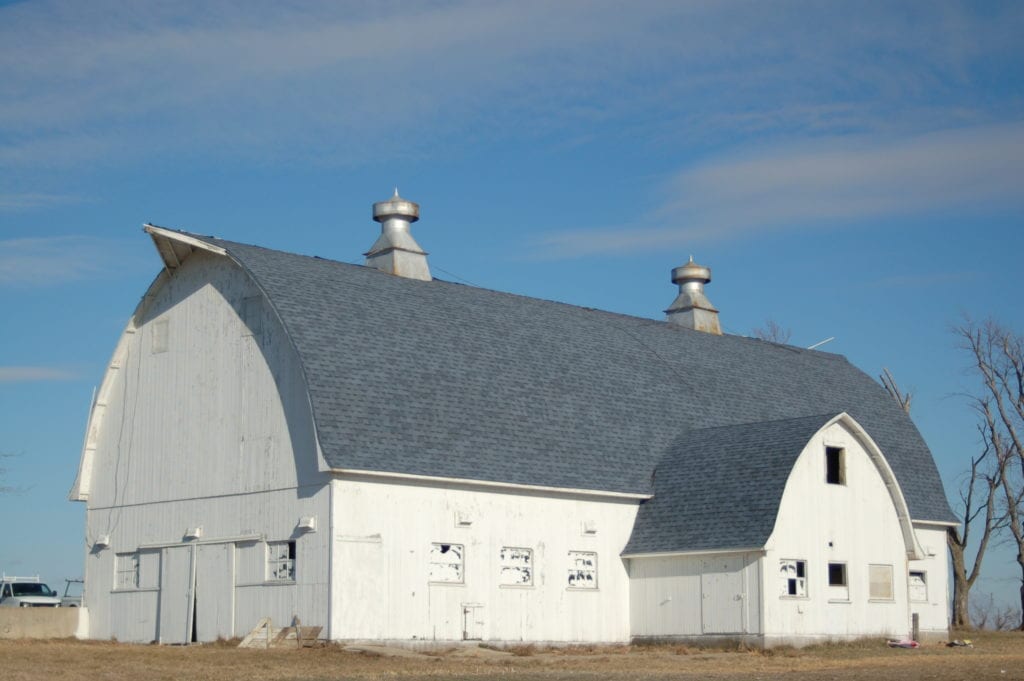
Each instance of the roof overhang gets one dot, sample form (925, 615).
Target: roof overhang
(698, 552)
(408, 477)
(174, 247)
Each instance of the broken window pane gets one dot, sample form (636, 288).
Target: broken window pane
(127, 575)
(281, 561)
(582, 570)
(794, 577)
(446, 563)
(516, 566)
(918, 585)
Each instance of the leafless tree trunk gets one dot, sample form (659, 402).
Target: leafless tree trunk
(998, 355)
(978, 495)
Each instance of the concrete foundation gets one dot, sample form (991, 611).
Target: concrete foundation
(38, 622)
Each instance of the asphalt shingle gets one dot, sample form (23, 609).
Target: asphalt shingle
(441, 379)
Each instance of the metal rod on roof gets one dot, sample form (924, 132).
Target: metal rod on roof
(820, 343)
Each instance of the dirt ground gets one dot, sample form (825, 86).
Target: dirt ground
(994, 656)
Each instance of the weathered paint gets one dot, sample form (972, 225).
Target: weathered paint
(933, 609)
(695, 595)
(384, 533)
(856, 524)
(203, 421)
(202, 425)
(859, 524)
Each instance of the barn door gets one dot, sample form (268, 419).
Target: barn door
(215, 589)
(721, 585)
(472, 622)
(177, 594)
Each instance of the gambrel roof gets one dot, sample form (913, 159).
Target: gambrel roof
(435, 378)
(721, 488)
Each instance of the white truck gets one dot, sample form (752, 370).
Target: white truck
(26, 592)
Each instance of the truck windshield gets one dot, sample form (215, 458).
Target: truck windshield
(31, 590)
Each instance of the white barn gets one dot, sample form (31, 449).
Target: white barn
(398, 458)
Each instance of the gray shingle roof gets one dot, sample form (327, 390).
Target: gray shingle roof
(441, 379)
(720, 488)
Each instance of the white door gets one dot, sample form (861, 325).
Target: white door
(215, 590)
(177, 581)
(472, 622)
(722, 595)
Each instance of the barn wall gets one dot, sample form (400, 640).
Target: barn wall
(853, 523)
(931, 602)
(383, 533)
(208, 398)
(203, 421)
(695, 595)
(231, 566)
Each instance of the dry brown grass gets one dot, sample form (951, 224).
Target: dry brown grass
(995, 656)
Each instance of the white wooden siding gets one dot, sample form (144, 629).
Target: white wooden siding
(695, 595)
(222, 411)
(213, 430)
(854, 523)
(383, 532)
(934, 612)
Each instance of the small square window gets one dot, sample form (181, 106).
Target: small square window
(880, 582)
(516, 566)
(837, 574)
(794, 577)
(447, 563)
(160, 336)
(582, 570)
(835, 466)
(281, 561)
(918, 585)
(127, 571)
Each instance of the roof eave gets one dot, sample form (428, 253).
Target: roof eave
(174, 247)
(573, 491)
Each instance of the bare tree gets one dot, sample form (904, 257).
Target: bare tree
(989, 615)
(998, 355)
(772, 332)
(890, 385)
(4, 489)
(978, 510)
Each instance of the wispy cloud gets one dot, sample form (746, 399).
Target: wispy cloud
(54, 260)
(28, 200)
(820, 184)
(345, 80)
(28, 374)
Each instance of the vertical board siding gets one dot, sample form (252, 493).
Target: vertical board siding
(382, 548)
(206, 423)
(854, 523)
(933, 612)
(680, 595)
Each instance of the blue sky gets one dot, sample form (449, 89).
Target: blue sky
(853, 170)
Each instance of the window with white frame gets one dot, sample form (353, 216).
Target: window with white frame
(582, 570)
(447, 563)
(281, 561)
(838, 584)
(917, 584)
(516, 566)
(880, 582)
(126, 571)
(794, 577)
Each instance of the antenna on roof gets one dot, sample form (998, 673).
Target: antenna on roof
(820, 343)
